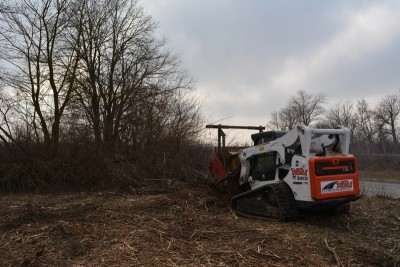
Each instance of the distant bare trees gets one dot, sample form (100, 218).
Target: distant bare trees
(342, 113)
(373, 129)
(387, 114)
(285, 119)
(302, 108)
(365, 121)
(307, 107)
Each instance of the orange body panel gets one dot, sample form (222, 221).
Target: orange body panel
(333, 177)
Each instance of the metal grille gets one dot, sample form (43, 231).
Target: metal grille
(334, 168)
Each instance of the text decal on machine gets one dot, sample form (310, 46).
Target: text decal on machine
(300, 174)
(337, 186)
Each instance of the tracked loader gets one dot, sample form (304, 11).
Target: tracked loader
(284, 172)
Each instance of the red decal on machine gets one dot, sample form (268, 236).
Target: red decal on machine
(300, 174)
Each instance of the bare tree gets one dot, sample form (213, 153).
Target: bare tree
(342, 114)
(365, 121)
(303, 108)
(275, 123)
(16, 122)
(91, 70)
(7, 113)
(285, 119)
(307, 107)
(43, 64)
(185, 121)
(387, 113)
(122, 66)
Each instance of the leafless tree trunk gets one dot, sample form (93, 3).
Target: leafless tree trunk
(387, 113)
(43, 63)
(365, 123)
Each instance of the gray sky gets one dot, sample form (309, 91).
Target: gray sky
(250, 56)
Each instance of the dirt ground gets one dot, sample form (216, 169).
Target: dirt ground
(188, 225)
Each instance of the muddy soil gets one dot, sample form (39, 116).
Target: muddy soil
(187, 225)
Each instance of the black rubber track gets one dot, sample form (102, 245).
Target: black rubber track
(269, 202)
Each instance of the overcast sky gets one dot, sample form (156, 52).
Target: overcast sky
(250, 56)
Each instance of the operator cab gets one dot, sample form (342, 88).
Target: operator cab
(263, 165)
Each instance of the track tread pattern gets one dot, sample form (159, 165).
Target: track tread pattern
(286, 202)
(254, 203)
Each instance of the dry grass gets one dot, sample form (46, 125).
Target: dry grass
(181, 225)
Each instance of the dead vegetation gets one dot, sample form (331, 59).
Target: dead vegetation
(184, 225)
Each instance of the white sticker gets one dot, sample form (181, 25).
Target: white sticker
(337, 186)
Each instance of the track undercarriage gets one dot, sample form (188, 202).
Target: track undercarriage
(268, 202)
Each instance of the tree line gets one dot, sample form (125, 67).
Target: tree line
(90, 97)
(93, 74)
(374, 129)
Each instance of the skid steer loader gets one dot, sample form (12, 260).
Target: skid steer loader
(304, 168)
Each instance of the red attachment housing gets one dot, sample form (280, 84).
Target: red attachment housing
(333, 177)
(217, 170)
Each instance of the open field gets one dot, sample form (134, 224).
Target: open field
(186, 225)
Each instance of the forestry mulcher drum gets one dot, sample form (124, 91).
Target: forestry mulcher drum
(304, 168)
